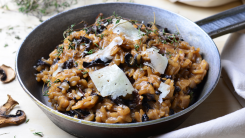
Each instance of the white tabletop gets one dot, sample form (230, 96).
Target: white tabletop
(219, 103)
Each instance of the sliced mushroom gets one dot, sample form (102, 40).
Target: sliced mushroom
(130, 61)
(133, 61)
(7, 74)
(95, 63)
(87, 42)
(40, 63)
(6, 119)
(68, 64)
(98, 29)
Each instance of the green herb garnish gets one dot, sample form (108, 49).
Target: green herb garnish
(6, 6)
(27, 120)
(169, 54)
(68, 31)
(6, 45)
(101, 36)
(133, 21)
(17, 37)
(136, 47)
(57, 80)
(191, 95)
(91, 51)
(60, 50)
(165, 42)
(46, 93)
(109, 20)
(85, 72)
(155, 31)
(39, 134)
(148, 31)
(163, 32)
(114, 14)
(40, 8)
(71, 46)
(117, 21)
(48, 82)
(97, 45)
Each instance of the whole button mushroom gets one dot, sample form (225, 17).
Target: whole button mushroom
(7, 74)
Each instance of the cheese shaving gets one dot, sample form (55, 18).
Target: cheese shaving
(127, 29)
(59, 69)
(158, 62)
(165, 89)
(104, 54)
(111, 81)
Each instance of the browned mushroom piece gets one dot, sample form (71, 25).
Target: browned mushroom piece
(6, 119)
(7, 74)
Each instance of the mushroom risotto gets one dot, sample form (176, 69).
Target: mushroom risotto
(118, 70)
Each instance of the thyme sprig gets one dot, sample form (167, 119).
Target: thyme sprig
(27, 120)
(85, 72)
(169, 54)
(98, 46)
(136, 47)
(60, 50)
(57, 80)
(91, 51)
(46, 93)
(39, 134)
(40, 8)
(68, 31)
(48, 82)
(118, 20)
(71, 46)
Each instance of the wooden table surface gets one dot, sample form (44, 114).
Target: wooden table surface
(219, 103)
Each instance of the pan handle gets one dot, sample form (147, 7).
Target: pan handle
(225, 22)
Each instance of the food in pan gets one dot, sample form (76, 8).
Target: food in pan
(119, 70)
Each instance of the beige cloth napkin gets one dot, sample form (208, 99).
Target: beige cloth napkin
(233, 72)
(233, 62)
(228, 126)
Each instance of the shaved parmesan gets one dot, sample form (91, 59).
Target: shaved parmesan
(165, 89)
(59, 69)
(158, 62)
(152, 49)
(104, 54)
(111, 80)
(80, 94)
(127, 29)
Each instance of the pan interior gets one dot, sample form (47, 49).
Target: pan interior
(42, 40)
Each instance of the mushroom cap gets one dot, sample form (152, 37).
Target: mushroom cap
(7, 74)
